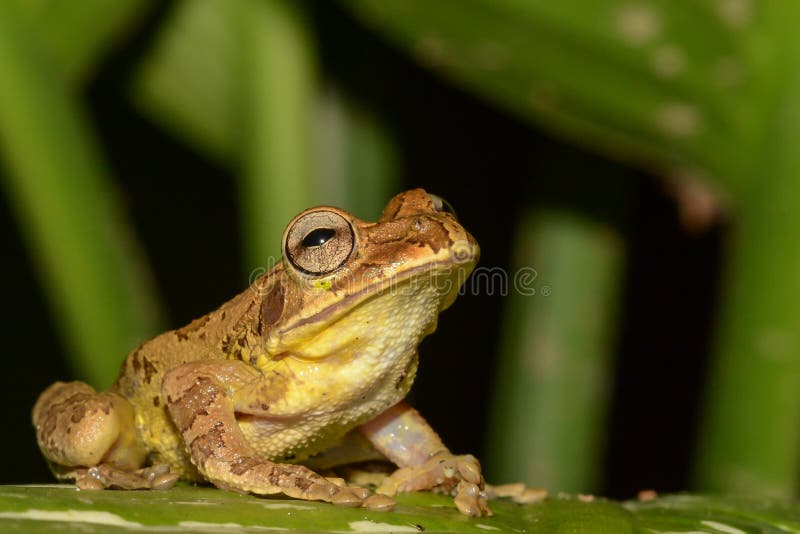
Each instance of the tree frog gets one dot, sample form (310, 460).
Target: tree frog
(318, 352)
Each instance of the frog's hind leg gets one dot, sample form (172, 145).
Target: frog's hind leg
(91, 437)
(202, 409)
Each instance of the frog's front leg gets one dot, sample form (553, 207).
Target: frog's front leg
(91, 437)
(200, 397)
(405, 438)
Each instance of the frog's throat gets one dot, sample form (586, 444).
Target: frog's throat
(416, 301)
(448, 273)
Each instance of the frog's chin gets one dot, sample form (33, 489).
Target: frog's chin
(406, 305)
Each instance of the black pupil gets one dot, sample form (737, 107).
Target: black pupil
(318, 237)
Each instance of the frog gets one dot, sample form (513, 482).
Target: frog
(318, 352)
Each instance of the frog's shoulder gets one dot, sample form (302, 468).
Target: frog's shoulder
(220, 334)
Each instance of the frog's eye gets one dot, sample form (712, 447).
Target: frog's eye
(442, 205)
(319, 242)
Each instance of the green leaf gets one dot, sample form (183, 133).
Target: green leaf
(658, 82)
(715, 514)
(184, 508)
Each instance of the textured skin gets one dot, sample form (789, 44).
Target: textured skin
(282, 371)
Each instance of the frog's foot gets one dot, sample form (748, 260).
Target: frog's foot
(77, 427)
(444, 472)
(104, 476)
(517, 492)
(376, 501)
(262, 477)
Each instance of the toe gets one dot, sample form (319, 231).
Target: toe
(379, 503)
(470, 500)
(347, 498)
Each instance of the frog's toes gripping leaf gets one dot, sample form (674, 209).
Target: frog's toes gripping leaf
(157, 477)
(459, 476)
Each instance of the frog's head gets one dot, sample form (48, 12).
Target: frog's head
(345, 282)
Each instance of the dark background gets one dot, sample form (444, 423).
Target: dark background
(488, 165)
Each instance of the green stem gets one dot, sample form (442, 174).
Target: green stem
(751, 437)
(556, 358)
(751, 434)
(356, 158)
(278, 90)
(60, 194)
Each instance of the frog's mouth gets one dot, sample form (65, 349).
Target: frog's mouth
(398, 312)
(445, 276)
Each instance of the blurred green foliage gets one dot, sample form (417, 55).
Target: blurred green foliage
(703, 92)
(261, 107)
(62, 195)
